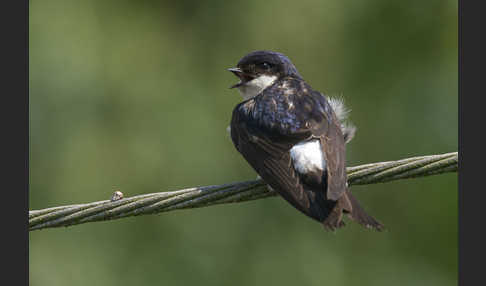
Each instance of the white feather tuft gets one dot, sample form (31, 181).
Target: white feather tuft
(342, 114)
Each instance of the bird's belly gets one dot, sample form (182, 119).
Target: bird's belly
(307, 157)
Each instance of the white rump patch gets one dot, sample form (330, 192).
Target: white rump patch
(256, 85)
(307, 156)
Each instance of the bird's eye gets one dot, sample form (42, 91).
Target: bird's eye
(265, 65)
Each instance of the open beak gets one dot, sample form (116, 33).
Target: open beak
(244, 77)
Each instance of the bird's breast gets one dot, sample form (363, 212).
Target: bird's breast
(307, 157)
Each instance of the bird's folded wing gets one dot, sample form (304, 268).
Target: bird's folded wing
(272, 162)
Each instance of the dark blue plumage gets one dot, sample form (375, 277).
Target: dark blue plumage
(291, 136)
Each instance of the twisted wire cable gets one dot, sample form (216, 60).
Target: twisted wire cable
(228, 193)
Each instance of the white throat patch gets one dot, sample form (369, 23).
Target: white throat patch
(256, 85)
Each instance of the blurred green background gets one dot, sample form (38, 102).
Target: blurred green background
(133, 95)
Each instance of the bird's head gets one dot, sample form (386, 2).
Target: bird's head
(259, 70)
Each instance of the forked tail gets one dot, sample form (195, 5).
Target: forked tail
(349, 205)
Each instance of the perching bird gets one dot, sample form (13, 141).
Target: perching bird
(295, 139)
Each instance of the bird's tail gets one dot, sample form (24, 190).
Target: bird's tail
(349, 205)
(358, 214)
